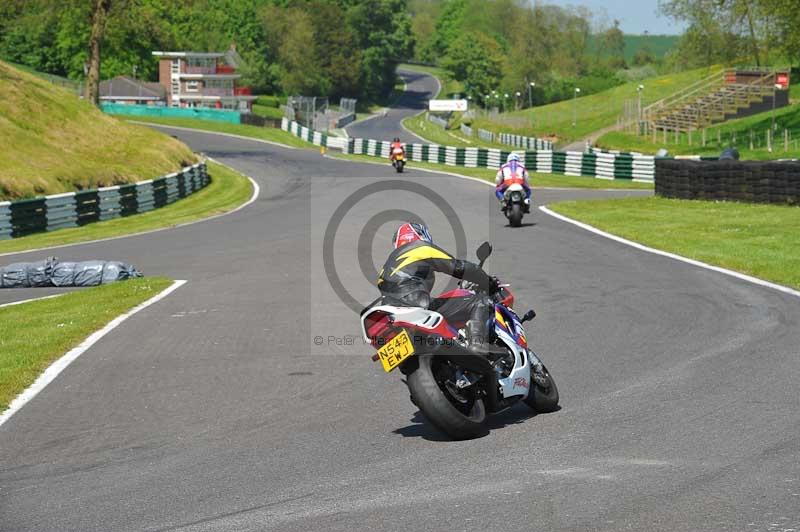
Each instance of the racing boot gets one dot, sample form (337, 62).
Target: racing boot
(476, 338)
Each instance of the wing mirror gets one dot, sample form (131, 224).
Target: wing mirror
(528, 316)
(484, 250)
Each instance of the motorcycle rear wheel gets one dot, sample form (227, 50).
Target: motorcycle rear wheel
(437, 402)
(515, 216)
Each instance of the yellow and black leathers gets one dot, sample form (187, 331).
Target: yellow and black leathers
(408, 274)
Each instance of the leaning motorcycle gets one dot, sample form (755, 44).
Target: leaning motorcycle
(514, 205)
(455, 388)
(398, 159)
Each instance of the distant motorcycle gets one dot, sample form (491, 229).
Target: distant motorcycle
(399, 159)
(515, 206)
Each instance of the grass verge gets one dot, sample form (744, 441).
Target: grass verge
(538, 180)
(759, 240)
(255, 132)
(33, 335)
(228, 189)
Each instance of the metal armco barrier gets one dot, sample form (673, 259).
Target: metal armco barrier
(75, 209)
(466, 130)
(603, 166)
(749, 181)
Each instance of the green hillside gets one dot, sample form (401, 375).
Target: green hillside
(54, 142)
(591, 113)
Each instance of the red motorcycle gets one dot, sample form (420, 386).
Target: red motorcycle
(455, 388)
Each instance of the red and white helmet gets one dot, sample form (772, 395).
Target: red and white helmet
(411, 232)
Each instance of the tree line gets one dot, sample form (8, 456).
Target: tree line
(508, 45)
(757, 32)
(315, 47)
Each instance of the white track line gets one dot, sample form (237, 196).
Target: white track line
(256, 192)
(699, 264)
(59, 365)
(31, 300)
(179, 128)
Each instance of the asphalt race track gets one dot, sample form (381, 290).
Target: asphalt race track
(419, 89)
(215, 409)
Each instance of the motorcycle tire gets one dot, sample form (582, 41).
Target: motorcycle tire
(399, 168)
(437, 408)
(543, 400)
(515, 215)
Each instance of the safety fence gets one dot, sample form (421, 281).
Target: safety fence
(314, 137)
(517, 141)
(75, 209)
(199, 113)
(606, 166)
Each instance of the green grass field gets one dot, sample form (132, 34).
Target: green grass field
(228, 189)
(592, 113)
(759, 240)
(54, 142)
(732, 133)
(33, 335)
(537, 180)
(255, 132)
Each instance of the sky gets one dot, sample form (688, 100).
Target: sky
(635, 16)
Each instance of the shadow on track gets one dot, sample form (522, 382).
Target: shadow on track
(422, 428)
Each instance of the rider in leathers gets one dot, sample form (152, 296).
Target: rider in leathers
(408, 276)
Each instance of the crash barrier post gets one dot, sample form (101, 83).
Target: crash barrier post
(76, 209)
(747, 181)
(604, 166)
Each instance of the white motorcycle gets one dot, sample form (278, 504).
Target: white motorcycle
(515, 204)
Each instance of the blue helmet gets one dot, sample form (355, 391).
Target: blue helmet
(512, 157)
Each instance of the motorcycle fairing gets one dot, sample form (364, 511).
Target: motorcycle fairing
(427, 321)
(510, 331)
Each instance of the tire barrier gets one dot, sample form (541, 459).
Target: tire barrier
(314, 137)
(747, 181)
(518, 141)
(76, 209)
(603, 166)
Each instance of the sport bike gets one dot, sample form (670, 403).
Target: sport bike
(455, 388)
(514, 206)
(398, 159)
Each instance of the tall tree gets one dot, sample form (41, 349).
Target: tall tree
(99, 19)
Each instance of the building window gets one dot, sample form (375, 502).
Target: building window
(192, 85)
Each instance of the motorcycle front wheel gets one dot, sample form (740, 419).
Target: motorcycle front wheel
(458, 413)
(543, 399)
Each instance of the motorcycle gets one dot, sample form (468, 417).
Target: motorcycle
(399, 159)
(515, 204)
(455, 388)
